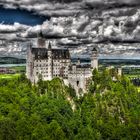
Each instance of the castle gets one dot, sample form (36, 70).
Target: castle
(51, 63)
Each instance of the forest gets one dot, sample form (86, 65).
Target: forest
(49, 110)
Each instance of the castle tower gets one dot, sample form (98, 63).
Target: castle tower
(29, 63)
(94, 58)
(78, 61)
(50, 62)
(119, 70)
(41, 42)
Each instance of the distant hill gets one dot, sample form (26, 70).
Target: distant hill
(14, 60)
(111, 61)
(119, 61)
(11, 60)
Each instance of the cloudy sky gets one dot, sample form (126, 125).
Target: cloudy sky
(111, 25)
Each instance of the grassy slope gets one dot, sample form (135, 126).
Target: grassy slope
(132, 76)
(18, 68)
(139, 89)
(9, 76)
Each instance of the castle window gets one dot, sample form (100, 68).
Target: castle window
(77, 83)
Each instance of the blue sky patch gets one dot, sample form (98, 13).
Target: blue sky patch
(9, 16)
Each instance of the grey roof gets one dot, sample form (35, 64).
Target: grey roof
(94, 49)
(42, 53)
(87, 66)
(84, 66)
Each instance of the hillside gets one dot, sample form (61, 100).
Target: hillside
(110, 110)
(11, 60)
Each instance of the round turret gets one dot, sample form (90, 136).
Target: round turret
(94, 58)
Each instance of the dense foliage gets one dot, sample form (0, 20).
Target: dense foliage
(50, 110)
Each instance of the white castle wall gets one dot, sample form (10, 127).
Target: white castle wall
(50, 70)
(77, 76)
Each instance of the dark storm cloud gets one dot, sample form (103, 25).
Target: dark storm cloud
(129, 1)
(79, 23)
(65, 7)
(13, 28)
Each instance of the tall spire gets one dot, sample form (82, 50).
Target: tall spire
(41, 42)
(94, 49)
(49, 46)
